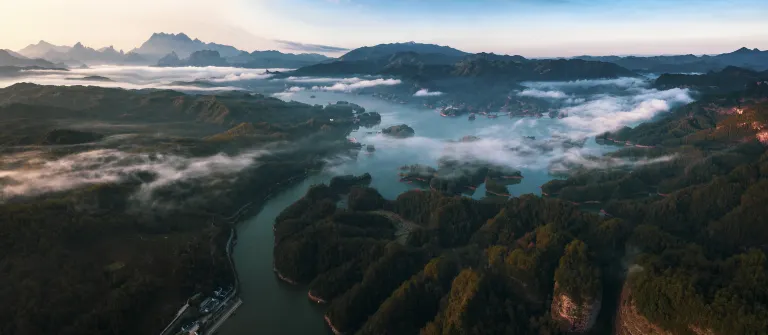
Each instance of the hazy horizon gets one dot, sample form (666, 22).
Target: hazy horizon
(531, 28)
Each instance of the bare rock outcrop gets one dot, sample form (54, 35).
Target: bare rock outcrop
(576, 317)
(578, 290)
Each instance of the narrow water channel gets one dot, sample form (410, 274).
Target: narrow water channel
(269, 305)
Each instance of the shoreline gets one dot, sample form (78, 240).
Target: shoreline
(284, 278)
(330, 324)
(315, 299)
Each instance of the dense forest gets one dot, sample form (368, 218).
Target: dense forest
(125, 246)
(729, 79)
(674, 242)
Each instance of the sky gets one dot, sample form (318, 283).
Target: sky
(532, 28)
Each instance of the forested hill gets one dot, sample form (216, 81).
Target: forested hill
(697, 216)
(113, 207)
(426, 67)
(754, 59)
(677, 247)
(385, 50)
(728, 79)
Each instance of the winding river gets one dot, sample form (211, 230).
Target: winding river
(273, 307)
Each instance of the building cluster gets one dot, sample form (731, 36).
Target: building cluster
(209, 305)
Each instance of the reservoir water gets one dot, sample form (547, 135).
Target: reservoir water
(270, 306)
(273, 307)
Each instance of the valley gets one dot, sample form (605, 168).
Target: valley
(398, 188)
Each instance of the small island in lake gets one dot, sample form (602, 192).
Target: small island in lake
(399, 131)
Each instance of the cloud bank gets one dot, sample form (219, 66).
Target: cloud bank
(110, 166)
(426, 93)
(609, 113)
(145, 77)
(304, 47)
(289, 92)
(558, 144)
(351, 85)
(624, 82)
(535, 93)
(240, 76)
(321, 80)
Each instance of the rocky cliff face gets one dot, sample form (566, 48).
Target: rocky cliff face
(576, 317)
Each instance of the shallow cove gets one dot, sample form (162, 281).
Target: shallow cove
(274, 307)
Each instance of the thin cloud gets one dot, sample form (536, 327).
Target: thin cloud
(144, 77)
(576, 159)
(240, 76)
(315, 48)
(542, 94)
(322, 79)
(624, 82)
(503, 143)
(346, 87)
(426, 93)
(109, 166)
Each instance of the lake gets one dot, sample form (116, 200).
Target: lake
(273, 307)
(535, 146)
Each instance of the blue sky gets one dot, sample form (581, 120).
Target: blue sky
(539, 28)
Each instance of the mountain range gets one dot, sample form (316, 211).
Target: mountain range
(10, 58)
(256, 59)
(368, 59)
(383, 50)
(162, 48)
(479, 82)
(80, 54)
(729, 79)
(41, 48)
(449, 63)
(748, 58)
(161, 44)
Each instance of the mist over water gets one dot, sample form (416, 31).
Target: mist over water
(145, 77)
(32, 173)
(536, 146)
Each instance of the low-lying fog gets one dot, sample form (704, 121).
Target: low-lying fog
(588, 107)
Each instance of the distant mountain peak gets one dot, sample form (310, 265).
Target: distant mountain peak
(730, 69)
(386, 50)
(79, 45)
(11, 58)
(160, 44)
(183, 37)
(40, 49)
(746, 50)
(179, 37)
